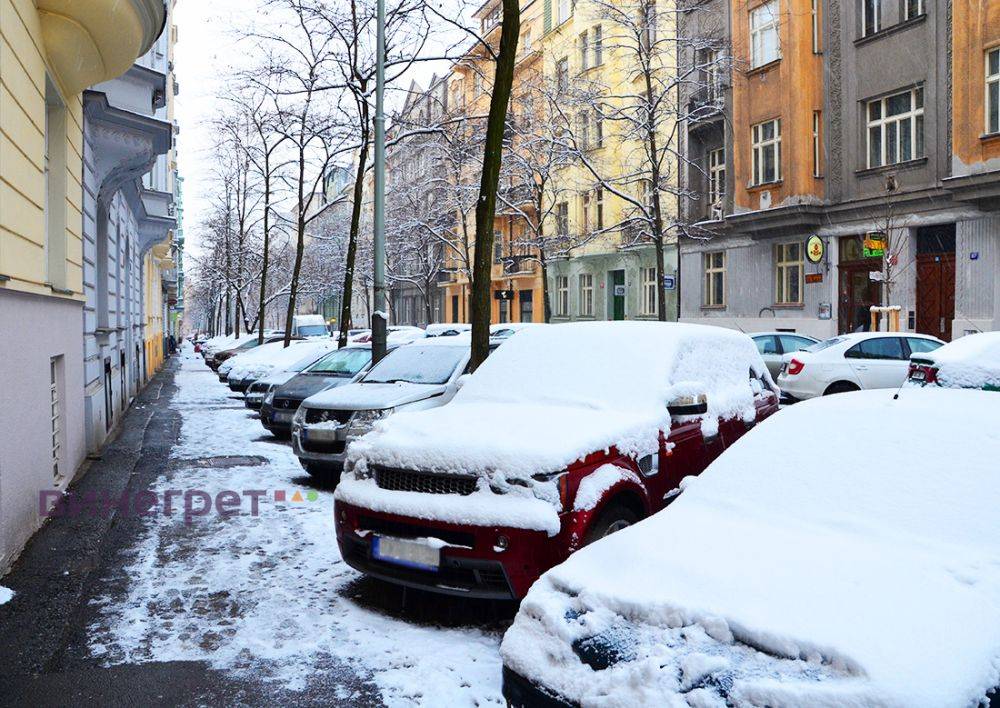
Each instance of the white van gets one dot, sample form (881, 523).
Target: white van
(309, 326)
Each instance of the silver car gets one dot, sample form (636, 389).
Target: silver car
(774, 345)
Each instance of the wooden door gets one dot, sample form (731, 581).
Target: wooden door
(935, 294)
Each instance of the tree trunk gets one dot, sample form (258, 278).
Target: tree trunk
(546, 305)
(352, 241)
(492, 158)
(300, 228)
(654, 178)
(267, 249)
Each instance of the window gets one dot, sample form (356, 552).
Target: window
(896, 128)
(817, 147)
(766, 139)
(583, 129)
(55, 188)
(562, 75)
(877, 348)
(648, 288)
(598, 121)
(586, 295)
(766, 344)
(562, 219)
(585, 212)
(584, 51)
(764, 43)
(871, 17)
(712, 74)
(788, 274)
(599, 208)
(598, 45)
(477, 84)
(526, 41)
(565, 9)
(55, 415)
(914, 8)
(791, 343)
(716, 176)
(921, 346)
(993, 91)
(562, 296)
(715, 279)
(815, 27)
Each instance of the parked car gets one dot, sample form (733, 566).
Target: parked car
(851, 362)
(774, 345)
(239, 346)
(278, 358)
(309, 326)
(447, 330)
(425, 374)
(500, 332)
(564, 435)
(840, 555)
(335, 369)
(972, 361)
(395, 335)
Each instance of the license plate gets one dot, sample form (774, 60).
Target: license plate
(918, 375)
(283, 416)
(401, 551)
(320, 434)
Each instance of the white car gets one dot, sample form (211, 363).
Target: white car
(447, 330)
(972, 361)
(293, 358)
(845, 553)
(851, 362)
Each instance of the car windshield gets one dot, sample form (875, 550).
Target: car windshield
(414, 364)
(825, 344)
(343, 362)
(311, 330)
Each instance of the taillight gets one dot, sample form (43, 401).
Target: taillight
(922, 373)
(795, 367)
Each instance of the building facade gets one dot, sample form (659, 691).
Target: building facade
(52, 52)
(855, 177)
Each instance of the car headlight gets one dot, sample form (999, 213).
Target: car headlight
(300, 416)
(269, 396)
(362, 421)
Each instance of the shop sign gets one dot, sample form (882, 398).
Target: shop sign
(815, 249)
(814, 277)
(874, 245)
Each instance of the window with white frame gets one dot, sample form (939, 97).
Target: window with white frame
(647, 278)
(586, 295)
(765, 45)
(584, 50)
(913, 8)
(565, 11)
(814, 12)
(766, 142)
(817, 145)
(599, 209)
(715, 279)
(871, 17)
(526, 41)
(788, 268)
(562, 75)
(598, 44)
(993, 91)
(896, 128)
(562, 219)
(562, 295)
(712, 74)
(716, 176)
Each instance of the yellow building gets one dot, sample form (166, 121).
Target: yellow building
(50, 51)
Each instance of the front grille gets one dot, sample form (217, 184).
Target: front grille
(286, 404)
(321, 415)
(334, 447)
(258, 387)
(398, 480)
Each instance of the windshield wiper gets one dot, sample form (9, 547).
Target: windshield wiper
(390, 381)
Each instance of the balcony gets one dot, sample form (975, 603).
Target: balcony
(706, 106)
(93, 41)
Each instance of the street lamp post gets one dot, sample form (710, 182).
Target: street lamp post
(379, 318)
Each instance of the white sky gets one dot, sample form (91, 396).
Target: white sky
(207, 52)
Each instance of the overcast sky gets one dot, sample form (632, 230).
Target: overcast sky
(207, 52)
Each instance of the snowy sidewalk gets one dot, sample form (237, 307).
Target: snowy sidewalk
(264, 598)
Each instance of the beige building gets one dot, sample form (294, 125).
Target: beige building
(50, 51)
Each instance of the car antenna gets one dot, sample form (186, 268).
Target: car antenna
(895, 396)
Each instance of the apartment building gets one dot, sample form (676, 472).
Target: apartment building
(52, 51)
(853, 176)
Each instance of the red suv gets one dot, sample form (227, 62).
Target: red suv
(565, 435)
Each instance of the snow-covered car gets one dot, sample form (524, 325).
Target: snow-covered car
(418, 376)
(394, 335)
(500, 332)
(337, 368)
(447, 330)
(972, 361)
(295, 357)
(564, 435)
(248, 355)
(238, 346)
(815, 563)
(774, 345)
(852, 362)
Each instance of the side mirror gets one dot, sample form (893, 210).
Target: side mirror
(689, 405)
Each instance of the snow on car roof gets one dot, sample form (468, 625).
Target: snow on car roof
(972, 361)
(552, 395)
(852, 533)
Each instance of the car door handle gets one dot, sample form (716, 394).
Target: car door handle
(859, 367)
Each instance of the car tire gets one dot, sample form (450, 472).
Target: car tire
(840, 387)
(322, 474)
(615, 518)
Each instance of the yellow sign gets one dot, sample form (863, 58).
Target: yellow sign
(815, 248)
(874, 245)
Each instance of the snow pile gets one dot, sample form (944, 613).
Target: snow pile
(552, 395)
(972, 361)
(6, 595)
(835, 573)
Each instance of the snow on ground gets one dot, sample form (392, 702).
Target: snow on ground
(6, 595)
(268, 595)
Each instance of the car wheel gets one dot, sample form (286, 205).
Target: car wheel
(615, 518)
(323, 474)
(840, 387)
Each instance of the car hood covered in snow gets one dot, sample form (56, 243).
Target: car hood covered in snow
(373, 396)
(302, 386)
(840, 575)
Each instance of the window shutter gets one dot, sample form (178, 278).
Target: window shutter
(548, 16)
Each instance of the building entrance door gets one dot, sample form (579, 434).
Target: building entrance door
(858, 292)
(936, 280)
(617, 294)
